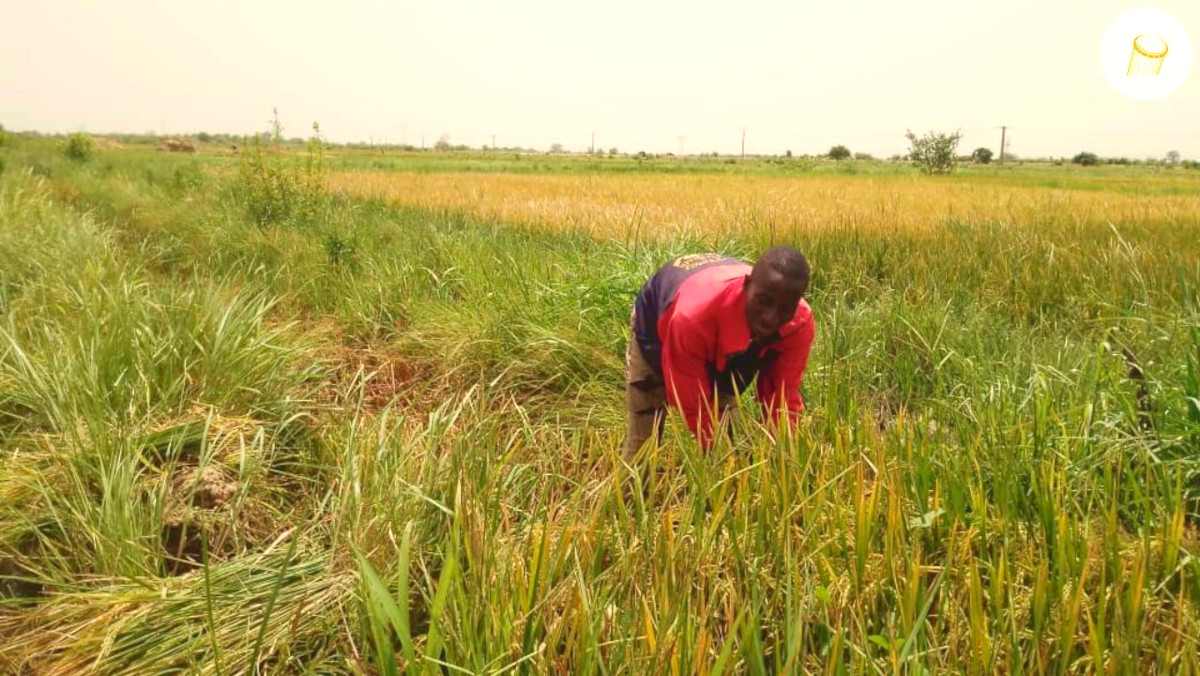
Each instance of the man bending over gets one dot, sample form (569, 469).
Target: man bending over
(703, 327)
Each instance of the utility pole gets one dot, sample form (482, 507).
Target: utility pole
(743, 143)
(493, 141)
(593, 142)
(422, 140)
(1003, 130)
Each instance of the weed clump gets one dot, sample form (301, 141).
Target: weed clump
(79, 147)
(277, 188)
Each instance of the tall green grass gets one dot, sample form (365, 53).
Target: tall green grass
(419, 433)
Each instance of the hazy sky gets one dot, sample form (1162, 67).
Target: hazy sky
(799, 75)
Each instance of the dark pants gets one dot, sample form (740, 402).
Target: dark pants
(646, 398)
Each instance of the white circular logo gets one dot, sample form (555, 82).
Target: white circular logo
(1146, 54)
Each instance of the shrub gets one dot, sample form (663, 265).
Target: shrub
(1086, 159)
(934, 153)
(79, 147)
(275, 188)
(340, 250)
(4, 137)
(982, 155)
(863, 156)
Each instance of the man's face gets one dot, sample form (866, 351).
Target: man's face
(771, 301)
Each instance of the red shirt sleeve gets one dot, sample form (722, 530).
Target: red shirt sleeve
(779, 386)
(685, 375)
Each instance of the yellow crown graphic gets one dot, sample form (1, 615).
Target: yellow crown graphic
(1148, 54)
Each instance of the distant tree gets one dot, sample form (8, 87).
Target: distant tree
(863, 156)
(788, 154)
(839, 152)
(79, 147)
(982, 155)
(934, 153)
(612, 150)
(1086, 159)
(443, 143)
(556, 147)
(1173, 157)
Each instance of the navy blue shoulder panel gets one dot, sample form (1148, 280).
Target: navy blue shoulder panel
(659, 292)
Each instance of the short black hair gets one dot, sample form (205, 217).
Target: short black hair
(786, 261)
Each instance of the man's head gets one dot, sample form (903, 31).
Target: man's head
(773, 290)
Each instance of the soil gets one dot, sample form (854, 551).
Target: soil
(13, 584)
(389, 379)
(196, 498)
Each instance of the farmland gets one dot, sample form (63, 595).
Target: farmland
(368, 419)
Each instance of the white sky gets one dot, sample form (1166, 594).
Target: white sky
(799, 75)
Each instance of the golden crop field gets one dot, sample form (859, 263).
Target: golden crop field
(615, 205)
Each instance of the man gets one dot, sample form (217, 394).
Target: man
(706, 323)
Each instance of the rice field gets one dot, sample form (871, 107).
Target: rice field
(614, 205)
(376, 428)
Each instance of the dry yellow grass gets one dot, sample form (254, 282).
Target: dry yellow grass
(613, 205)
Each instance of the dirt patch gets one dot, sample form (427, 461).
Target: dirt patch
(370, 374)
(376, 378)
(198, 502)
(14, 583)
(211, 488)
(177, 145)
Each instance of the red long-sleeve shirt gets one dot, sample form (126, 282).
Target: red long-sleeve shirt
(704, 325)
